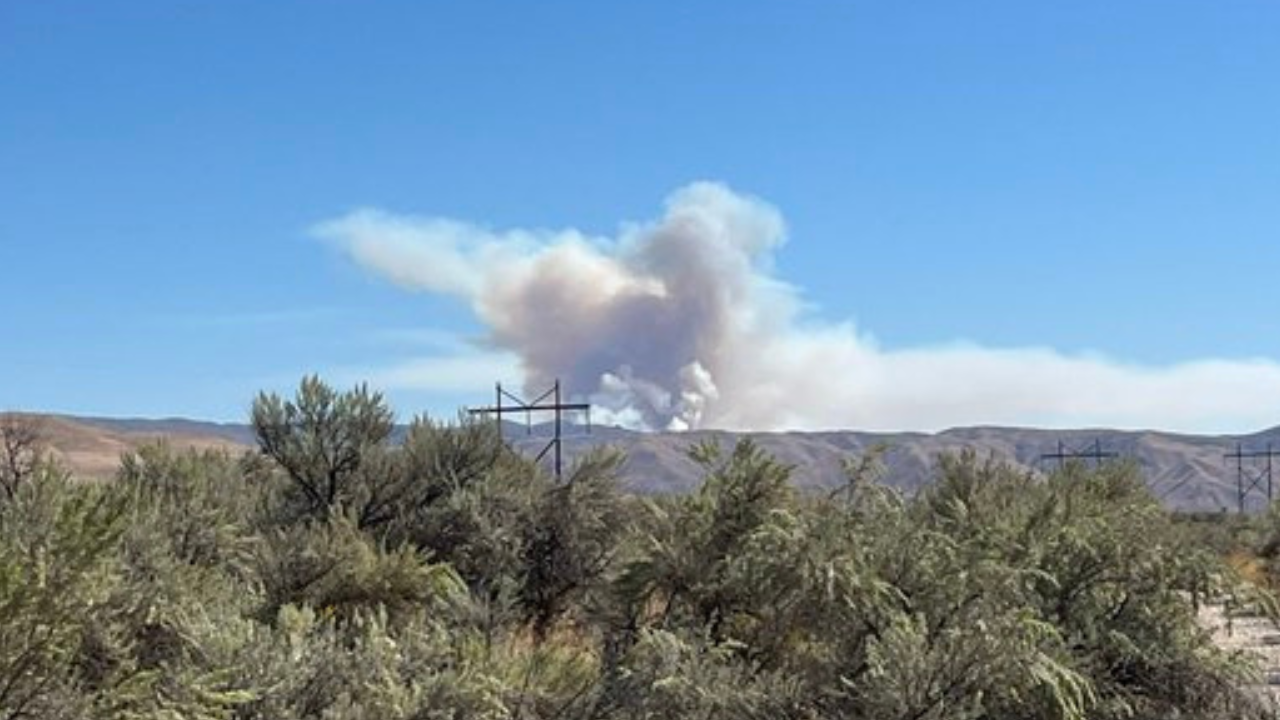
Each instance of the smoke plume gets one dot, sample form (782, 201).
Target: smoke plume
(680, 323)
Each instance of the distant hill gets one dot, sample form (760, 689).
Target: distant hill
(234, 433)
(91, 447)
(1187, 471)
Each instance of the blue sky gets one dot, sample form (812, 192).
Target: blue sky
(1098, 178)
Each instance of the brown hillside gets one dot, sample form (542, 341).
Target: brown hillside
(91, 451)
(1188, 472)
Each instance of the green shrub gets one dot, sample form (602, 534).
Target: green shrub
(340, 575)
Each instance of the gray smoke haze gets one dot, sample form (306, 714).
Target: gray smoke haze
(680, 323)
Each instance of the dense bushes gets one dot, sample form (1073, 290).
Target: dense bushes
(340, 575)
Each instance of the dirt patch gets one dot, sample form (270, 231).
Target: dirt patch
(1253, 636)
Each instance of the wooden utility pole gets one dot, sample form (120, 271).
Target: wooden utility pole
(1066, 454)
(1254, 475)
(548, 401)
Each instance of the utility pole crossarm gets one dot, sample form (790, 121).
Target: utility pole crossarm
(513, 409)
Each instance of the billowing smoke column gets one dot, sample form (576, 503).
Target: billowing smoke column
(643, 321)
(679, 323)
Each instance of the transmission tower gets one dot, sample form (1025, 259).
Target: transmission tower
(1067, 453)
(548, 401)
(1254, 475)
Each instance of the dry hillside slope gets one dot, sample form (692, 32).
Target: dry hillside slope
(92, 448)
(1188, 471)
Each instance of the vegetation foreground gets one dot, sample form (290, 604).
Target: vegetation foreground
(338, 575)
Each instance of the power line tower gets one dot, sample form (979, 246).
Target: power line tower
(1067, 453)
(1254, 475)
(548, 401)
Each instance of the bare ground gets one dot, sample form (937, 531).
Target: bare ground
(1254, 636)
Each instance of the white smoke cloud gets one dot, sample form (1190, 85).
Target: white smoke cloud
(680, 323)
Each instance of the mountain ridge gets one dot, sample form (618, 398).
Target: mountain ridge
(1188, 471)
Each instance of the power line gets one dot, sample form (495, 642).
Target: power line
(537, 405)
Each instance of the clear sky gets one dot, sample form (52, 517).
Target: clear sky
(1093, 177)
